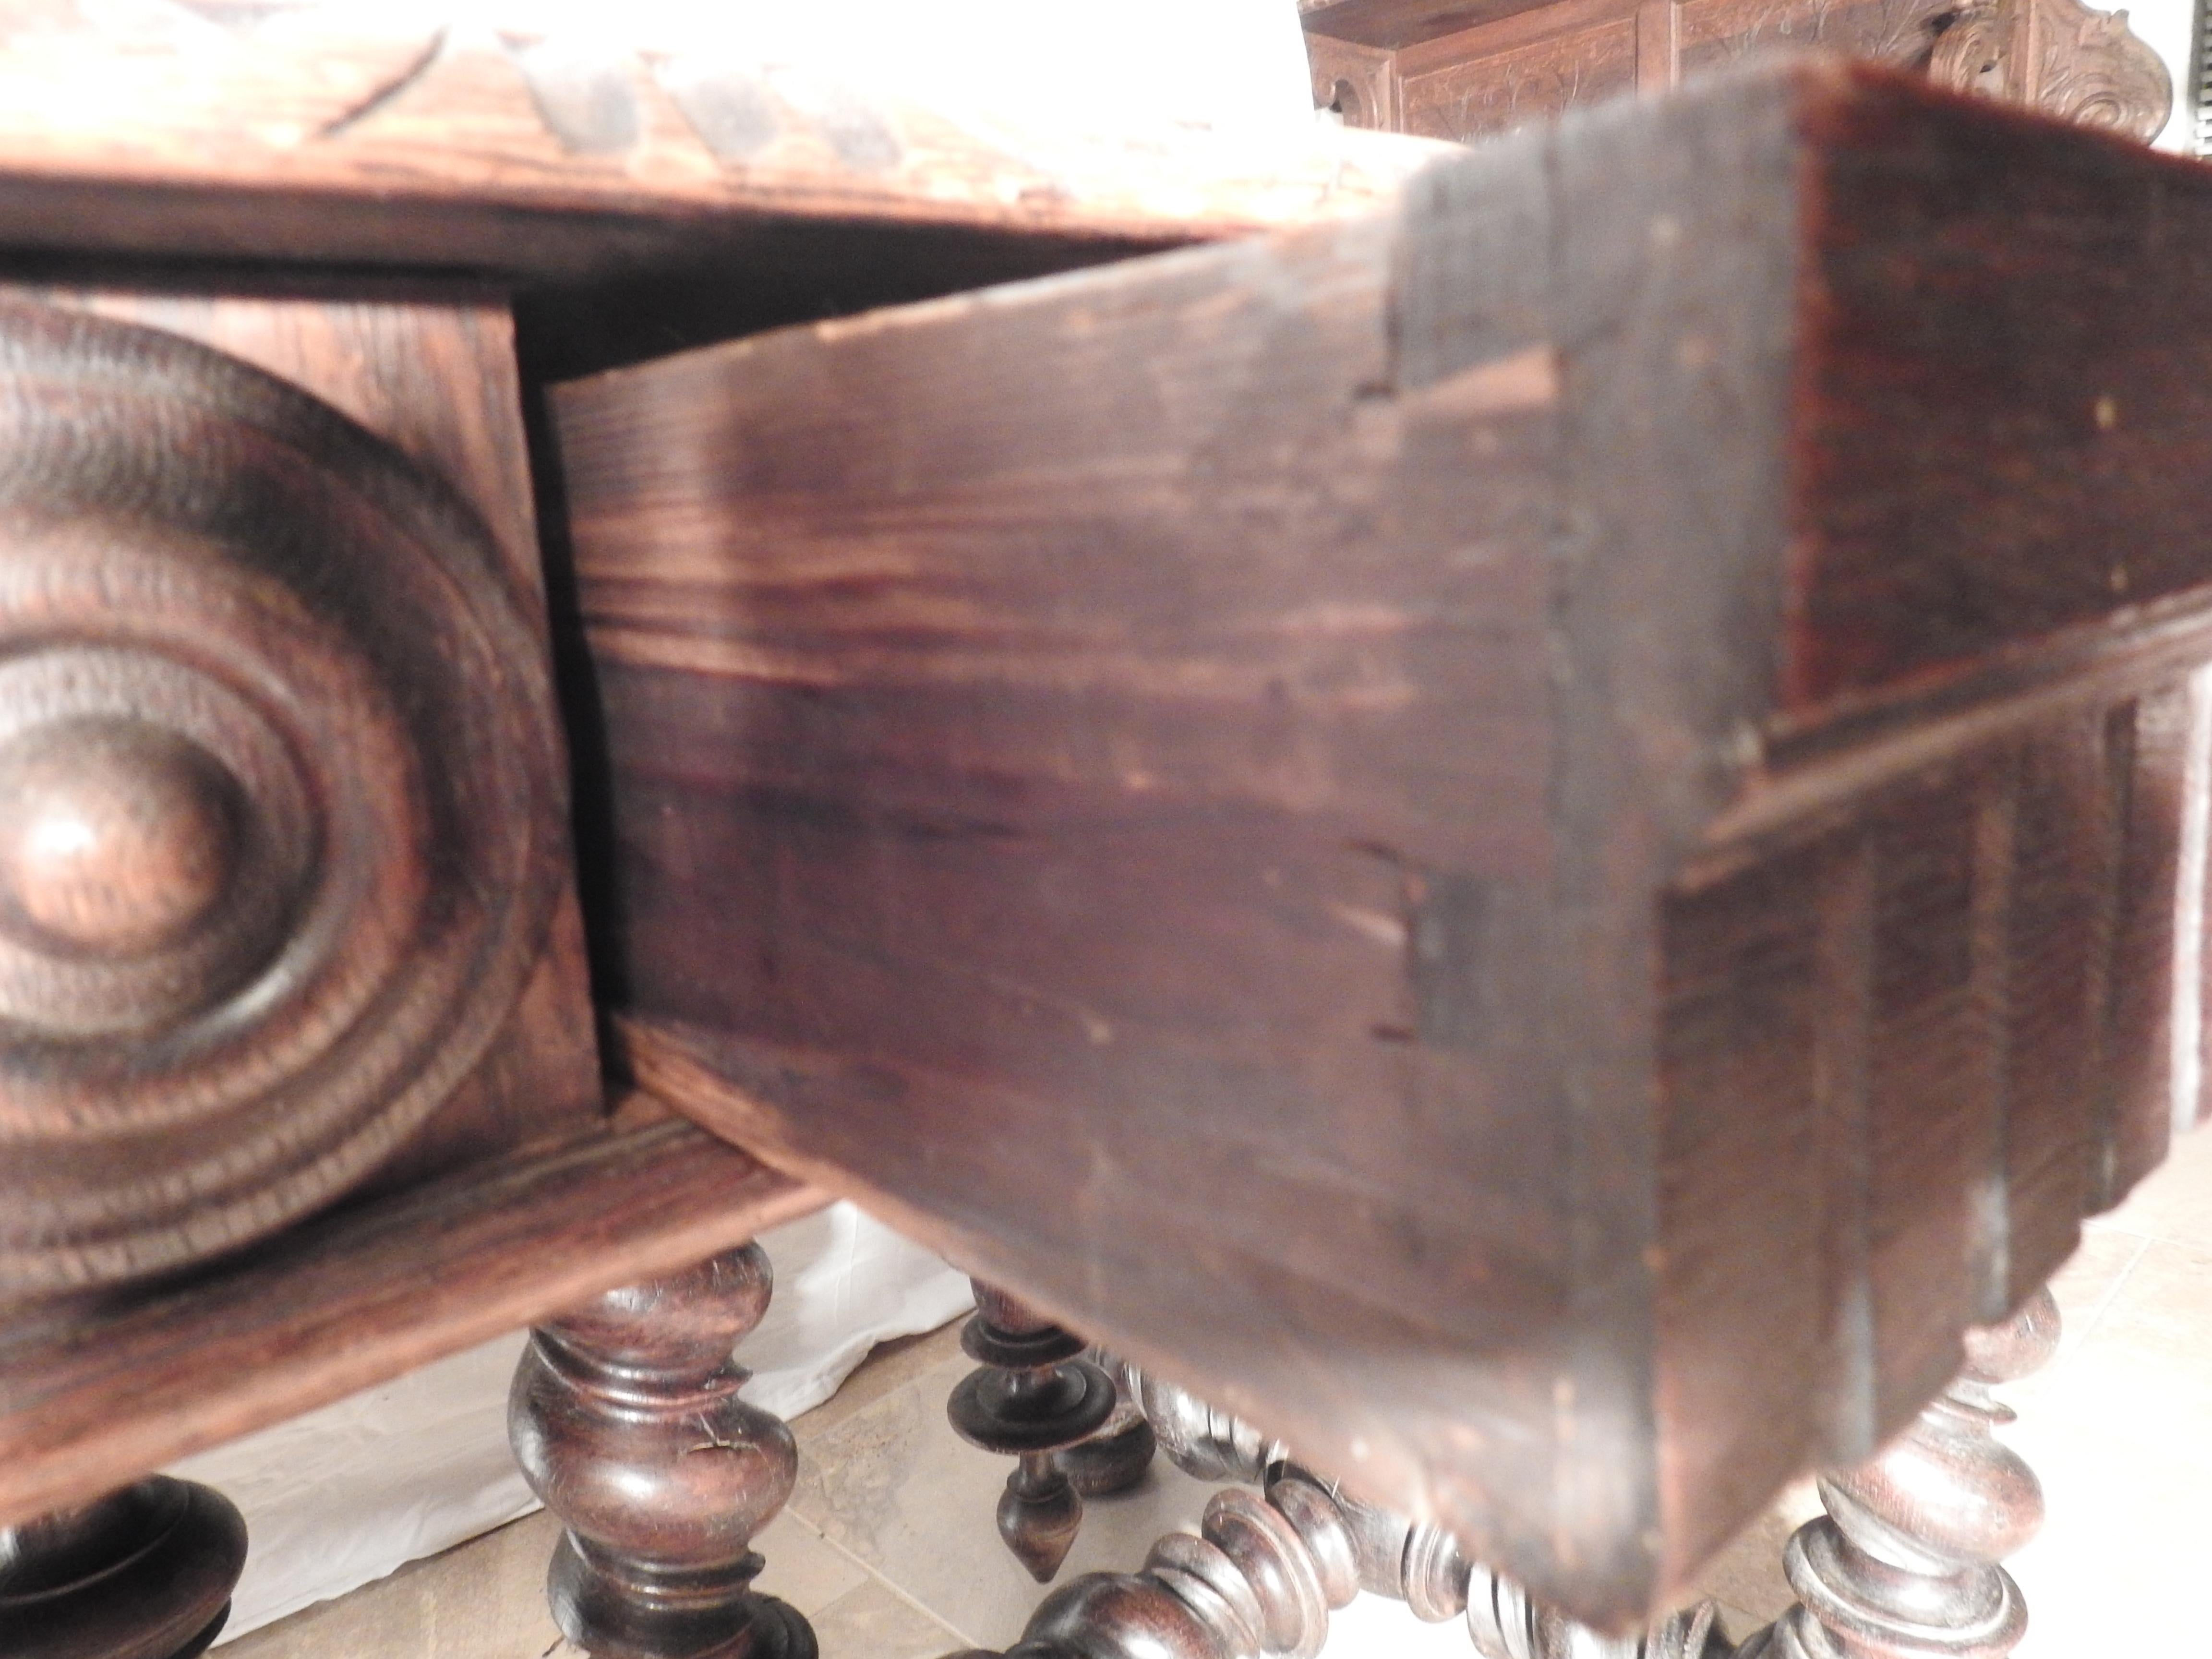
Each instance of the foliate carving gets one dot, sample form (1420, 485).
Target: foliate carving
(1901, 32)
(281, 817)
(2058, 56)
(1974, 51)
(2091, 70)
(1905, 1564)
(145, 1572)
(625, 1418)
(1032, 1397)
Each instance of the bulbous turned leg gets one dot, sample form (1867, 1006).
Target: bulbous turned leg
(1262, 1576)
(143, 1573)
(1114, 1457)
(1031, 1397)
(625, 1418)
(1904, 1565)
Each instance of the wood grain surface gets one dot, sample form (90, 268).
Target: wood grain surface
(262, 652)
(613, 1401)
(103, 1389)
(93, 1395)
(431, 370)
(540, 148)
(1530, 842)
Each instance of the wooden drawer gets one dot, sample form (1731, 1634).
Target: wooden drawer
(1539, 842)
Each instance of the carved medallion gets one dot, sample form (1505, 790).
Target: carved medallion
(280, 815)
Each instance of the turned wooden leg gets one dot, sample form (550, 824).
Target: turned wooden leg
(1904, 1565)
(1032, 1397)
(1203, 1441)
(145, 1573)
(625, 1417)
(1262, 1576)
(1114, 1457)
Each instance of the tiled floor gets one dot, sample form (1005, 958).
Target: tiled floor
(2118, 1427)
(889, 1545)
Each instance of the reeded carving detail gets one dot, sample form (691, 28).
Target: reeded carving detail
(1263, 1577)
(1905, 1564)
(1201, 1440)
(1032, 1397)
(1505, 1624)
(145, 1572)
(281, 800)
(626, 1420)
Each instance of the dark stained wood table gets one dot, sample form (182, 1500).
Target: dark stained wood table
(1542, 843)
(1537, 840)
(303, 1087)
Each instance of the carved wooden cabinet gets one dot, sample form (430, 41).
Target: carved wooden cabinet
(1454, 68)
(1543, 831)
(284, 788)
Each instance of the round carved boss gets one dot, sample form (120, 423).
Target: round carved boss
(281, 800)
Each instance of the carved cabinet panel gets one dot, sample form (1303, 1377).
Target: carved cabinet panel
(1450, 96)
(1712, 34)
(1461, 72)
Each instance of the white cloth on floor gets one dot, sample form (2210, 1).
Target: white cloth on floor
(344, 1495)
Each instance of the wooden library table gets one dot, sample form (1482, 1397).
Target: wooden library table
(1538, 824)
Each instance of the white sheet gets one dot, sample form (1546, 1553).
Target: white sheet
(341, 1497)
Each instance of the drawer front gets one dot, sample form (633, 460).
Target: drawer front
(1479, 834)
